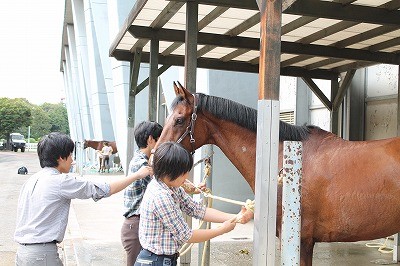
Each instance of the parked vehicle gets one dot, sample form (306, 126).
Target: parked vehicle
(3, 144)
(17, 141)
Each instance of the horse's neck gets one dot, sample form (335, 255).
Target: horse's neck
(239, 145)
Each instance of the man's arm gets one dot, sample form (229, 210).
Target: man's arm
(121, 183)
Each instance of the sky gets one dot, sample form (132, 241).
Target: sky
(30, 48)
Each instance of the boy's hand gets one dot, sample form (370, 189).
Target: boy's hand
(228, 225)
(145, 171)
(191, 189)
(244, 216)
(202, 186)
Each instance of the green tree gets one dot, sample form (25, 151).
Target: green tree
(14, 114)
(58, 117)
(40, 122)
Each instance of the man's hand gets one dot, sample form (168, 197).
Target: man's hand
(145, 171)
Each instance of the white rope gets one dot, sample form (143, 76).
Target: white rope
(382, 247)
(249, 204)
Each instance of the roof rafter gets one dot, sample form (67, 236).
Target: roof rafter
(210, 63)
(322, 9)
(253, 44)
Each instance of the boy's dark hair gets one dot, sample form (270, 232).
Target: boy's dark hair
(145, 129)
(53, 146)
(171, 160)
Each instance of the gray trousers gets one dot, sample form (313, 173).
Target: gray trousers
(130, 239)
(38, 254)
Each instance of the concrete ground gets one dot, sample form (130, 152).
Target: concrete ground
(93, 232)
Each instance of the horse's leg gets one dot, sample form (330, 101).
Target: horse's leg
(100, 164)
(306, 252)
(103, 167)
(107, 163)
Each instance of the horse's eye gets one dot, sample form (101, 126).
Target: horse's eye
(179, 121)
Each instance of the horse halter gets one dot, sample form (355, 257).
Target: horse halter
(190, 128)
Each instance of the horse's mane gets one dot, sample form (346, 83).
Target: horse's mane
(243, 116)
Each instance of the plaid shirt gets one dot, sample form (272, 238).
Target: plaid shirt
(133, 194)
(162, 228)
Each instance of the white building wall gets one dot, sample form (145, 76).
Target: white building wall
(381, 102)
(79, 47)
(96, 25)
(74, 116)
(74, 90)
(319, 114)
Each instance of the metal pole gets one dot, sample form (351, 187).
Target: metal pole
(29, 136)
(291, 198)
(81, 157)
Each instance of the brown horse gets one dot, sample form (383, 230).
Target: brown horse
(346, 185)
(98, 145)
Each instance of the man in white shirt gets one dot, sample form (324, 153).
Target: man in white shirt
(45, 198)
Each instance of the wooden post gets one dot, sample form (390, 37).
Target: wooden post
(396, 244)
(153, 79)
(267, 133)
(134, 74)
(192, 10)
(335, 113)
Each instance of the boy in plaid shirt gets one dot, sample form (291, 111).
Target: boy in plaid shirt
(162, 228)
(146, 135)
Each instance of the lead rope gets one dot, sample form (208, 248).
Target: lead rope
(207, 172)
(249, 205)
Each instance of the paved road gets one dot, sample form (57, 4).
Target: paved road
(93, 232)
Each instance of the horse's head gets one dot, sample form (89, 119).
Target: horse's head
(185, 123)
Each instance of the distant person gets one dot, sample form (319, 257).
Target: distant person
(146, 135)
(100, 156)
(163, 229)
(106, 152)
(45, 199)
(117, 162)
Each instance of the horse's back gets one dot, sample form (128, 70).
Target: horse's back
(347, 185)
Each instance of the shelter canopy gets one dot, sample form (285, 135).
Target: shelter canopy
(319, 39)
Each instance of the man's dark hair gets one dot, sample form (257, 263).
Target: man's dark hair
(53, 146)
(145, 129)
(171, 160)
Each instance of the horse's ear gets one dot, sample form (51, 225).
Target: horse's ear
(182, 91)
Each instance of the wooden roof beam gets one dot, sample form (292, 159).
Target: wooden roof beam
(321, 9)
(356, 13)
(211, 63)
(317, 91)
(253, 44)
